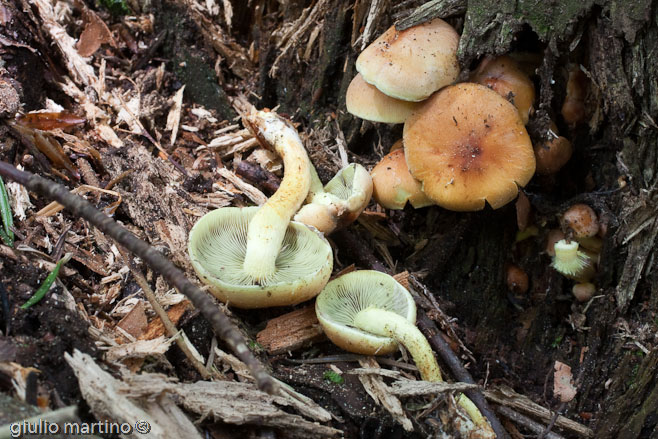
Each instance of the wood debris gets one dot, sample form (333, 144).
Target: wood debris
(381, 394)
(108, 398)
(508, 397)
(291, 331)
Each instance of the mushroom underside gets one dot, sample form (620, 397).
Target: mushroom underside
(217, 250)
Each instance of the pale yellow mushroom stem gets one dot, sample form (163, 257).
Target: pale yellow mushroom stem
(268, 227)
(389, 324)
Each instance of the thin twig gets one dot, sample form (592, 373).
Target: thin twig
(221, 324)
(525, 421)
(167, 323)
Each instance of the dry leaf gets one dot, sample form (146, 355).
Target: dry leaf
(95, 33)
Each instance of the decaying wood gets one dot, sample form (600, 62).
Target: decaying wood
(258, 176)
(418, 388)
(375, 387)
(107, 399)
(303, 404)
(525, 421)
(508, 397)
(291, 331)
(430, 10)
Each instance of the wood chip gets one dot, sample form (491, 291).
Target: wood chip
(291, 331)
(135, 322)
(173, 118)
(156, 327)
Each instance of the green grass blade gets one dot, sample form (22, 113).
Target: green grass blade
(45, 286)
(7, 234)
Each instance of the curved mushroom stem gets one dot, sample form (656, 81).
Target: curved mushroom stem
(338, 203)
(268, 226)
(389, 324)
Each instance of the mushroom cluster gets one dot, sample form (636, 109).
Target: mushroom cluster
(464, 145)
(576, 248)
(256, 257)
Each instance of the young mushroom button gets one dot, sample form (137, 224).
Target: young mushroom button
(256, 257)
(340, 202)
(467, 145)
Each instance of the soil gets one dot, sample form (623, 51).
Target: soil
(509, 338)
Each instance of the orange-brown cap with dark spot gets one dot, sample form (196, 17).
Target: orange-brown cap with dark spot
(467, 144)
(413, 63)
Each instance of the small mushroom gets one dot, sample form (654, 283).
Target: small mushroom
(581, 220)
(552, 154)
(339, 202)
(413, 63)
(583, 291)
(573, 108)
(468, 145)
(503, 75)
(255, 257)
(369, 312)
(394, 185)
(367, 102)
(572, 262)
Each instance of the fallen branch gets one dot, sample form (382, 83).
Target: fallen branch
(220, 323)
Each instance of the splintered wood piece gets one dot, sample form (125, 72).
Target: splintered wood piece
(156, 327)
(290, 331)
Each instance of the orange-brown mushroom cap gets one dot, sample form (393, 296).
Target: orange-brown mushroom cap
(467, 144)
(503, 75)
(413, 63)
(393, 184)
(367, 102)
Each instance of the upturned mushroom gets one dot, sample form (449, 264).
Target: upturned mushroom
(572, 262)
(413, 63)
(467, 145)
(367, 102)
(339, 202)
(369, 312)
(255, 257)
(393, 184)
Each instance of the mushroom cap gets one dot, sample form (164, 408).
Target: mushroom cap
(217, 246)
(365, 101)
(340, 202)
(467, 144)
(344, 297)
(413, 63)
(503, 75)
(353, 186)
(394, 185)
